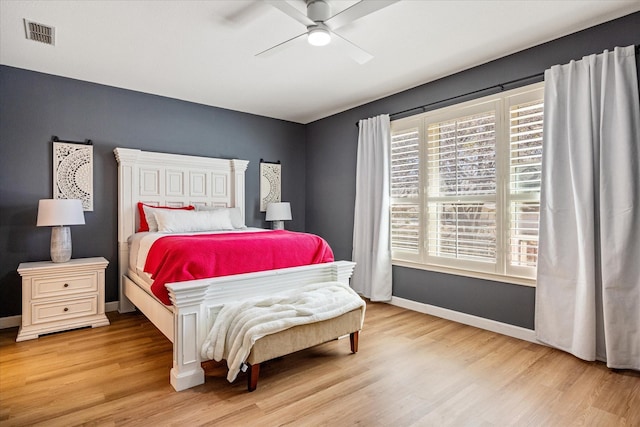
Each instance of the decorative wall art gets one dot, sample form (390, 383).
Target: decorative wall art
(270, 183)
(73, 171)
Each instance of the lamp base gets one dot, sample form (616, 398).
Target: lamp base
(60, 244)
(277, 225)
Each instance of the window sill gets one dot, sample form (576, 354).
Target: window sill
(512, 280)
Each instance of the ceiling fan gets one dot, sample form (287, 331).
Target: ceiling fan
(321, 25)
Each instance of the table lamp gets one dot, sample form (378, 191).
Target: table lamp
(278, 213)
(59, 214)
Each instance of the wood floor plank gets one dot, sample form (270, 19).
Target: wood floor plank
(411, 369)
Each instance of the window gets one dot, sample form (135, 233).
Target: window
(465, 187)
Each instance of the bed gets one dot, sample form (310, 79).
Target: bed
(173, 180)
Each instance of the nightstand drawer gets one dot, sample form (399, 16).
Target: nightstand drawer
(61, 310)
(68, 285)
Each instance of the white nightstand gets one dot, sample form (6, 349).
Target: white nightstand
(61, 296)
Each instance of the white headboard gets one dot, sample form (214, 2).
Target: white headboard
(171, 180)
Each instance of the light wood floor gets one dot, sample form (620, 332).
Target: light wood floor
(411, 370)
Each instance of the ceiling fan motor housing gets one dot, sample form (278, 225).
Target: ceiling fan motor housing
(318, 10)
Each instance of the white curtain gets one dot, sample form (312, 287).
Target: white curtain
(371, 228)
(588, 290)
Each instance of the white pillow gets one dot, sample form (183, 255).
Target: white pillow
(151, 219)
(181, 221)
(235, 214)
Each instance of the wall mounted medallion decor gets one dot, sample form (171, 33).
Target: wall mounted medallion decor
(270, 183)
(73, 171)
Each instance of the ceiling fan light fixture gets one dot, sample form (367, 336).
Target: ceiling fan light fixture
(318, 36)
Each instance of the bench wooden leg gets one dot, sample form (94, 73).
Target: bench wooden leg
(252, 376)
(353, 337)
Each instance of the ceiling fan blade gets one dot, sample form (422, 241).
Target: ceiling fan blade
(357, 11)
(356, 53)
(279, 47)
(286, 8)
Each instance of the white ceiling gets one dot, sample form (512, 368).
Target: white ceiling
(203, 51)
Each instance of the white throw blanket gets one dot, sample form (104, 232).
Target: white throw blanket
(240, 324)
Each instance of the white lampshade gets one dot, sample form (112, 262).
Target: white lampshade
(278, 211)
(54, 212)
(59, 214)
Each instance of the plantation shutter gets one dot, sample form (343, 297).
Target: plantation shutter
(405, 191)
(461, 164)
(525, 137)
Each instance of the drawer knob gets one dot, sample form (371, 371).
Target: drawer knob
(66, 285)
(66, 309)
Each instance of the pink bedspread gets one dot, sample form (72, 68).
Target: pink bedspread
(178, 258)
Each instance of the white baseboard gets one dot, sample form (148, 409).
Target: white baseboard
(13, 321)
(468, 319)
(10, 321)
(111, 306)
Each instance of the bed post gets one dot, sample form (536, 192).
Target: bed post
(238, 168)
(189, 321)
(342, 271)
(127, 181)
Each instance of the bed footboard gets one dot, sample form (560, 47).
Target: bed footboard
(192, 300)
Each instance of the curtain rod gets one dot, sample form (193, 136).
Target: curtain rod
(500, 86)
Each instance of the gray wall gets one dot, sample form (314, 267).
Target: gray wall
(331, 164)
(35, 106)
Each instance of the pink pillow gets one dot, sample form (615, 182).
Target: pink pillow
(144, 225)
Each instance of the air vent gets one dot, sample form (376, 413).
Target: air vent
(40, 32)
